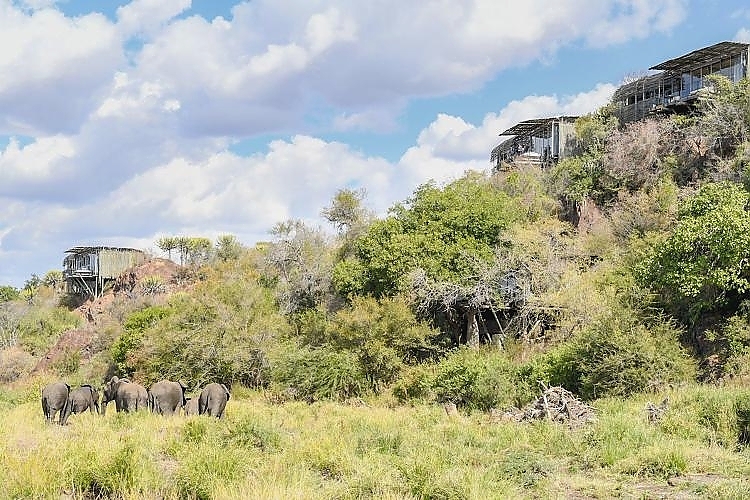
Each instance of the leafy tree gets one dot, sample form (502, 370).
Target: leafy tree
(167, 244)
(228, 248)
(194, 250)
(383, 335)
(724, 112)
(30, 286)
(580, 177)
(134, 329)
(593, 130)
(221, 331)
(703, 265)
(440, 231)
(346, 211)
(53, 279)
(8, 293)
(348, 214)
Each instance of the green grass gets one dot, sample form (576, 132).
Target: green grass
(330, 450)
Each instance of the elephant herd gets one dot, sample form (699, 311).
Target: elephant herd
(165, 398)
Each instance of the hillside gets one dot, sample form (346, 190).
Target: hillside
(96, 313)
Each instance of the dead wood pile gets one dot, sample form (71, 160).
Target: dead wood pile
(557, 405)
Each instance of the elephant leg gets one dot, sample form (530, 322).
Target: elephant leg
(46, 409)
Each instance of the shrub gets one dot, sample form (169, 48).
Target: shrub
(480, 380)
(153, 285)
(703, 265)
(130, 340)
(414, 385)
(383, 335)
(67, 363)
(15, 363)
(219, 332)
(617, 356)
(41, 326)
(320, 373)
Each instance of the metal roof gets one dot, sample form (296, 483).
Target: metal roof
(94, 249)
(701, 56)
(528, 127)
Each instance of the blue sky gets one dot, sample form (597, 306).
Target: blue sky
(121, 122)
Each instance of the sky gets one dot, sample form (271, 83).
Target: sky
(122, 122)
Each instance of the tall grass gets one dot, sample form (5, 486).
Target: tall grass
(330, 450)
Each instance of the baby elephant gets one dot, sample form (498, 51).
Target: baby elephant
(191, 406)
(213, 400)
(84, 398)
(55, 399)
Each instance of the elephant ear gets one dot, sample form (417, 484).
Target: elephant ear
(226, 390)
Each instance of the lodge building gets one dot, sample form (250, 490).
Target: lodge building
(673, 89)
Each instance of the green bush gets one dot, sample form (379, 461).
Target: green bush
(703, 265)
(41, 326)
(313, 374)
(617, 356)
(220, 332)
(8, 293)
(480, 380)
(384, 335)
(414, 385)
(130, 340)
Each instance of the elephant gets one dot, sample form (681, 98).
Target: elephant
(166, 397)
(191, 406)
(84, 398)
(55, 399)
(128, 396)
(213, 400)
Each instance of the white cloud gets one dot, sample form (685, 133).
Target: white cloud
(147, 16)
(33, 163)
(125, 148)
(743, 35)
(43, 85)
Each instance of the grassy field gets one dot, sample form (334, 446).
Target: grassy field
(329, 450)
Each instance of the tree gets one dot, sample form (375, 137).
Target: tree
(441, 231)
(167, 244)
(30, 286)
(724, 112)
(703, 265)
(444, 236)
(299, 258)
(8, 293)
(228, 248)
(346, 211)
(53, 279)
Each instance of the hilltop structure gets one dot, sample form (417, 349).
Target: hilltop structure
(674, 89)
(541, 142)
(88, 270)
